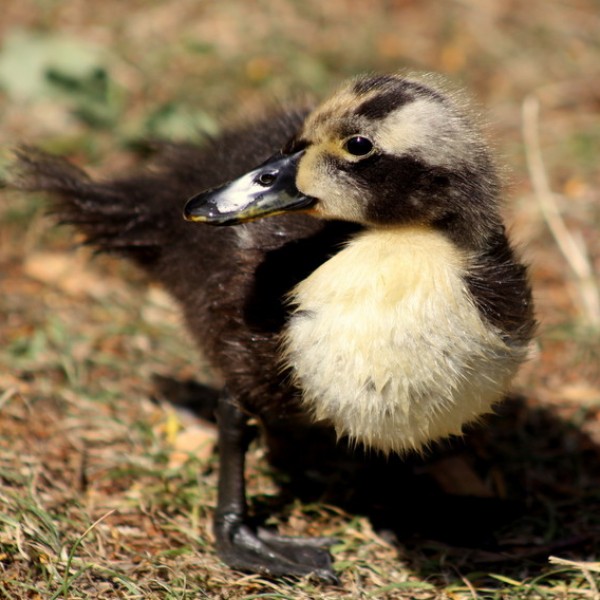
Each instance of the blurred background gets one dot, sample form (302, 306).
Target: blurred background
(95, 81)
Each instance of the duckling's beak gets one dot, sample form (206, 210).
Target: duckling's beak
(268, 190)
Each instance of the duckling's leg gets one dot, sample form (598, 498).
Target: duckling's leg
(237, 543)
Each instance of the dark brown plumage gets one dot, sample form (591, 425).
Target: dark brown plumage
(233, 299)
(234, 284)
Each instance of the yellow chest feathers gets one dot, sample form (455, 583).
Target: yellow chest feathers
(387, 344)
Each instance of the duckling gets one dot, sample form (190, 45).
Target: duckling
(380, 303)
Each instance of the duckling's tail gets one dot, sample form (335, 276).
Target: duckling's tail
(135, 217)
(140, 216)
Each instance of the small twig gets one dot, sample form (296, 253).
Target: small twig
(571, 247)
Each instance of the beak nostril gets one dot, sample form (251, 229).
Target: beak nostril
(267, 179)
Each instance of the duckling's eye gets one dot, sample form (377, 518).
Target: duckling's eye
(358, 145)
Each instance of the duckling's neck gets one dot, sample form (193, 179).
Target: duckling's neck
(387, 344)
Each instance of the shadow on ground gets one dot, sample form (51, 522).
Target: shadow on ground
(511, 493)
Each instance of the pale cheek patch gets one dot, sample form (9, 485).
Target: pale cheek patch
(337, 197)
(424, 125)
(388, 347)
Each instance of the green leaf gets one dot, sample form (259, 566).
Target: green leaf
(27, 58)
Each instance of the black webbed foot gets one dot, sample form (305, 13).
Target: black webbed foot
(240, 546)
(263, 551)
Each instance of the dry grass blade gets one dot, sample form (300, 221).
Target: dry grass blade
(585, 567)
(571, 247)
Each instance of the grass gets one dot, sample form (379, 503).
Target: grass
(107, 491)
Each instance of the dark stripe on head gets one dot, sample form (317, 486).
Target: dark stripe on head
(367, 84)
(393, 93)
(384, 103)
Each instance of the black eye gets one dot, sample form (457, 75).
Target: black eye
(358, 145)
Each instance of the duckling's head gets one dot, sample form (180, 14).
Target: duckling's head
(383, 151)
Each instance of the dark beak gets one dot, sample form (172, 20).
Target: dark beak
(268, 190)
